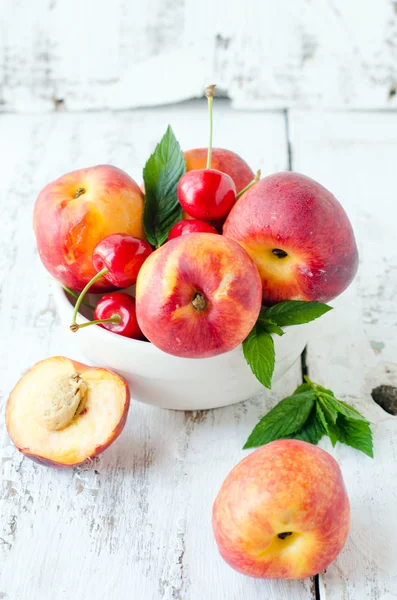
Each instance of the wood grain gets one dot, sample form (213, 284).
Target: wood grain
(354, 156)
(137, 522)
(67, 54)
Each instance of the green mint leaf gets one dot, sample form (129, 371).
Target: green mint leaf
(286, 418)
(303, 387)
(352, 409)
(269, 326)
(341, 407)
(295, 312)
(311, 412)
(356, 434)
(312, 431)
(161, 175)
(321, 417)
(328, 408)
(258, 350)
(318, 388)
(333, 433)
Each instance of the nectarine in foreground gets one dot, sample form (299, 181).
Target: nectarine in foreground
(62, 412)
(197, 296)
(75, 212)
(299, 237)
(282, 512)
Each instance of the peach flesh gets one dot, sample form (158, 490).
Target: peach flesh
(88, 434)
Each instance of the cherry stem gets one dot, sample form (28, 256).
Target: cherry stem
(251, 183)
(113, 319)
(74, 295)
(83, 293)
(209, 94)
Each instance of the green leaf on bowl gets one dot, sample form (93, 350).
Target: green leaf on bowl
(258, 350)
(161, 175)
(295, 312)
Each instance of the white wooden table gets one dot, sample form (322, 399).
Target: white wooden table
(137, 523)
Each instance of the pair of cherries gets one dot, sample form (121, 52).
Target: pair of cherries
(118, 259)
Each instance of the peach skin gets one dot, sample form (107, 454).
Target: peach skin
(197, 296)
(298, 235)
(75, 212)
(223, 160)
(282, 512)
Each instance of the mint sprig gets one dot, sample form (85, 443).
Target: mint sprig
(258, 347)
(285, 419)
(161, 175)
(310, 413)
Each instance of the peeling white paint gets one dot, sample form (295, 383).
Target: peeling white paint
(67, 54)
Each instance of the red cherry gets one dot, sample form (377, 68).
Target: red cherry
(123, 256)
(122, 305)
(117, 258)
(190, 226)
(206, 194)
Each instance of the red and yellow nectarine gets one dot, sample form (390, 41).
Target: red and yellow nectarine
(223, 160)
(75, 212)
(282, 512)
(298, 235)
(198, 295)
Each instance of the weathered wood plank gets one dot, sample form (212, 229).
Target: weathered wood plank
(264, 54)
(136, 523)
(354, 156)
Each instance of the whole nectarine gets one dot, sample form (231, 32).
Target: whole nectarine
(75, 212)
(223, 160)
(199, 295)
(282, 512)
(298, 235)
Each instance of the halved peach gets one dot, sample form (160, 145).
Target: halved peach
(61, 412)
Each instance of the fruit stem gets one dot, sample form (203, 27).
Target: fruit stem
(247, 187)
(209, 94)
(85, 290)
(74, 295)
(113, 319)
(199, 302)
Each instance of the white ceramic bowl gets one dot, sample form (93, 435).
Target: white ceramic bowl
(178, 383)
